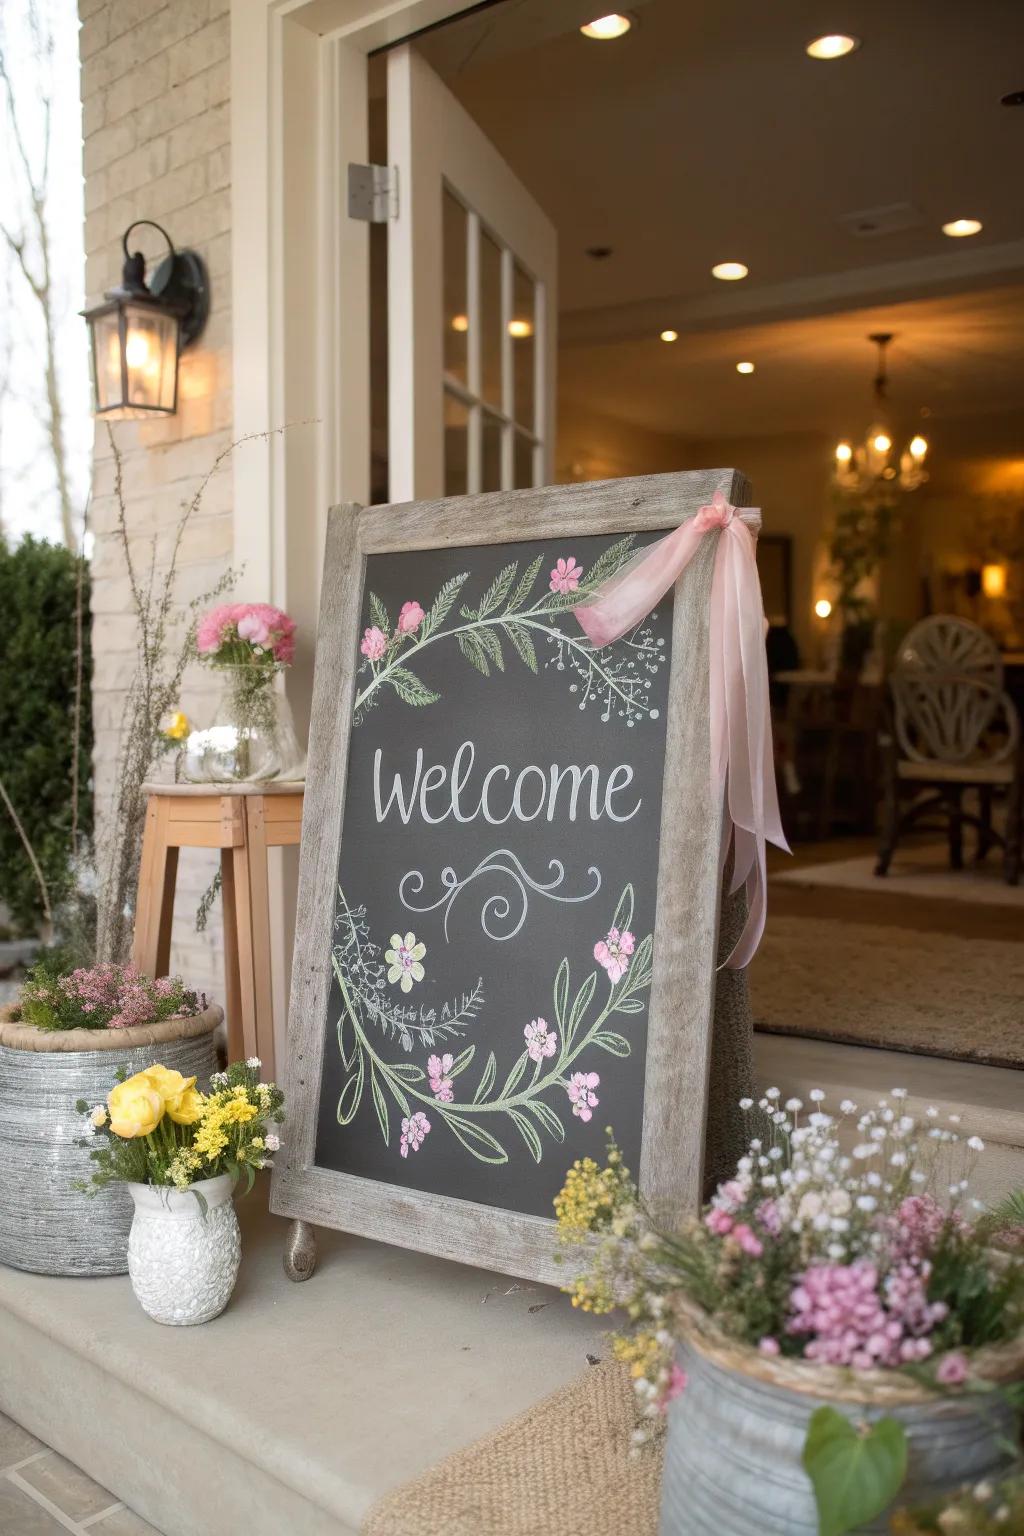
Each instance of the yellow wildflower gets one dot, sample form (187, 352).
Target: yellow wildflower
(239, 1112)
(176, 726)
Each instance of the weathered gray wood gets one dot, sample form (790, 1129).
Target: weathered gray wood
(686, 928)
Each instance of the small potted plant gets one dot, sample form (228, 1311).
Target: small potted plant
(252, 736)
(180, 1154)
(838, 1325)
(55, 1046)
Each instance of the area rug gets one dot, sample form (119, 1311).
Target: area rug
(563, 1468)
(921, 871)
(899, 990)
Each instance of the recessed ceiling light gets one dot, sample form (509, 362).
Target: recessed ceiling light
(520, 328)
(958, 228)
(834, 45)
(744, 367)
(670, 335)
(729, 271)
(460, 322)
(604, 29)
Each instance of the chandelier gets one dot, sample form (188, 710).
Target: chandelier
(874, 466)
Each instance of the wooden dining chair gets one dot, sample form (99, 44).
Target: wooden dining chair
(953, 728)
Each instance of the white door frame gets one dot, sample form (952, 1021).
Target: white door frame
(300, 309)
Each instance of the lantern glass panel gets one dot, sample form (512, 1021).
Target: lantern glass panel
(106, 344)
(151, 358)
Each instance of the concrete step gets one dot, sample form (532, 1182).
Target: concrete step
(303, 1404)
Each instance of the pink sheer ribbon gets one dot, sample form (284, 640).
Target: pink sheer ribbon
(741, 732)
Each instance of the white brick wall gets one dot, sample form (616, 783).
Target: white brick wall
(156, 114)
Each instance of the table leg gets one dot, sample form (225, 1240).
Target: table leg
(232, 976)
(259, 915)
(246, 950)
(158, 874)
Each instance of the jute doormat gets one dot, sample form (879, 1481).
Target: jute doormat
(893, 988)
(563, 1468)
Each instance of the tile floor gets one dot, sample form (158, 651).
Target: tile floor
(41, 1494)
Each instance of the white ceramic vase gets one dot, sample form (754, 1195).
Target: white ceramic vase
(183, 1260)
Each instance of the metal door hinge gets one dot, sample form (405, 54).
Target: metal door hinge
(373, 193)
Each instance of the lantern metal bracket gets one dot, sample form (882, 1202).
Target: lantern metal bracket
(373, 193)
(180, 282)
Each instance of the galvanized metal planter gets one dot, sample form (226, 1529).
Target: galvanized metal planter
(45, 1225)
(736, 1435)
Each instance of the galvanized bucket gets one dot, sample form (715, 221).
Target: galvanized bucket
(736, 1434)
(46, 1225)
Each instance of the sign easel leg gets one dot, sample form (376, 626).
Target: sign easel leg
(300, 1251)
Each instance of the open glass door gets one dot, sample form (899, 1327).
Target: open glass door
(471, 303)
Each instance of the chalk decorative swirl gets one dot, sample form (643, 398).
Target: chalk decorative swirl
(497, 909)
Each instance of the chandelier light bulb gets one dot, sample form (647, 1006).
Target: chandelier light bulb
(881, 442)
(844, 453)
(918, 448)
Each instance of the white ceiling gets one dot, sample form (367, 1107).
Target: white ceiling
(706, 134)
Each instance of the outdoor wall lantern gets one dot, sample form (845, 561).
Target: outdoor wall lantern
(139, 331)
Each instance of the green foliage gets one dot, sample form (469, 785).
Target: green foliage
(103, 997)
(856, 1470)
(38, 663)
(861, 536)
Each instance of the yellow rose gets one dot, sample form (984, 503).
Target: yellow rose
(187, 1108)
(177, 726)
(136, 1108)
(173, 1088)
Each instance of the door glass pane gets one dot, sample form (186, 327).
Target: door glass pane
(523, 462)
(490, 320)
(523, 326)
(490, 478)
(456, 446)
(456, 301)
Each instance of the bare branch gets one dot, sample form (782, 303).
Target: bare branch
(37, 869)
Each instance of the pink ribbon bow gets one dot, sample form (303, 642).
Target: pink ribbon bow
(741, 732)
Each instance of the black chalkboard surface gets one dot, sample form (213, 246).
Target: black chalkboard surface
(492, 952)
(509, 885)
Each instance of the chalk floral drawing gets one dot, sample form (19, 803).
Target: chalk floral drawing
(540, 1041)
(497, 909)
(579, 1029)
(512, 613)
(613, 952)
(404, 959)
(361, 962)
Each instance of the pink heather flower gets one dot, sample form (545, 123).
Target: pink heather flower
(566, 575)
(414, 1133)
(581, 1093)
(613, 953)
(749, 1244)
(374, 643)
(768, 1215)
(718, 1221)
(917, 1226)
(731, 1194)
(851, 1323)
(438, 1068)
(410, 618)
(952, 1370)
(540, 1041)
(676, 1386)
(768, 1345)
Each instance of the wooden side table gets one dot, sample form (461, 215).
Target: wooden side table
(243, 821)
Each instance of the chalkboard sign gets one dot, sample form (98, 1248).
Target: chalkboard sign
(509, 893)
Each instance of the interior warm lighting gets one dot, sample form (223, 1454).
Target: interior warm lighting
(460, 323)
(136, 350)
(670, 335)
(604, 29)
(844, 453)
(729, 271)
(744, 367)
(823, 607)
(958, 228)
(918, 447)
(835, 45)
(993, 580)
(520, 328)
(881, 442)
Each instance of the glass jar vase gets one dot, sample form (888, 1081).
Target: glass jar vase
(252, 737)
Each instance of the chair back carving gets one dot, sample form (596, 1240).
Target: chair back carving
(947, 688)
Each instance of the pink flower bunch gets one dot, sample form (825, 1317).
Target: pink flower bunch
(375, 643)
(581, 1094)
(613, 952)
(852, 1323)
(565, 577)
(239, 632)
(105, 996)
(438, 1070)
(916, 1227)
(414, 1132)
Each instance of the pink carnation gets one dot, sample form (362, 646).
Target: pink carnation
(718, 1221)
(410, 618)
(374, 643)
(247, 624)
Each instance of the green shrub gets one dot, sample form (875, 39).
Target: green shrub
(38, 584)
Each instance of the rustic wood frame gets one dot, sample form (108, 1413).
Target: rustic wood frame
(682, 999)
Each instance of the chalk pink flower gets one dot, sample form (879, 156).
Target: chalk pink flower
(581, 1093)
(414, 1133)
(540, 1041)
(438, 1069)
(613, 953)
(410, 618)
(952, 1370)
(565, 577)
(374, 643)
